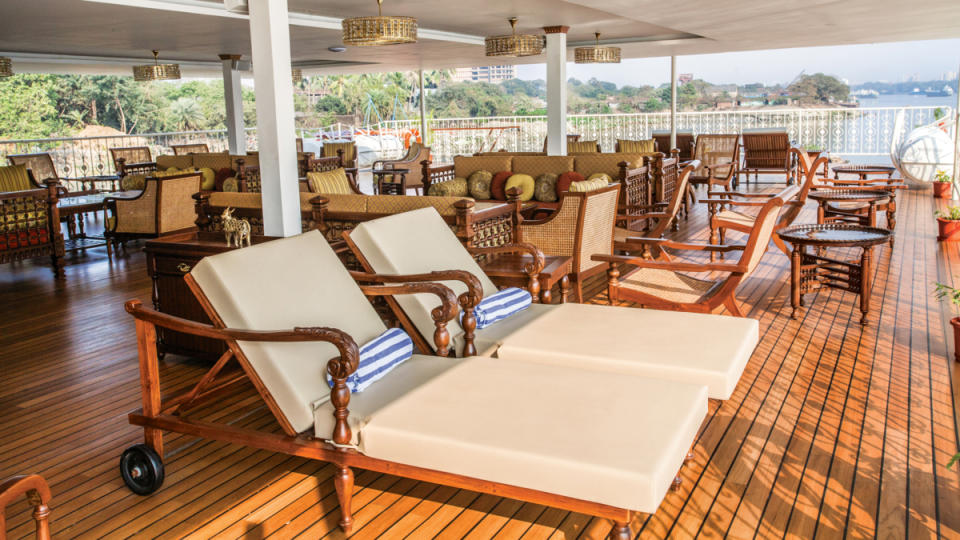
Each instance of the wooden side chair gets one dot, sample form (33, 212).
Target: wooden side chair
(41, 167)
(767, 151)
(663, 214)
(581, 227)
(412, 161)
(165, 205)
(665, 284)
(37, 492)
(719, 158)
(685, 143)
(131, 156)
(724, 217)
(192, 148)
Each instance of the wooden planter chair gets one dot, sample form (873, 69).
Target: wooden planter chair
(165, 206)
(464, 423)
(719, 157)
(37, 493)
(413, 161)
(685, 143)
(662, 284)
(574, 335)
(724, 215)
(662, 214)
(193, 148)
(29, 220)
(767, 151)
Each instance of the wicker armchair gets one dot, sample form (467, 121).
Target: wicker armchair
(767, 151)
(35, 489)
(346, 151)
(666, 284)
(413, 160)
(165, 205)
(30, 226)
(581, 227)
(193, 148)
(719, 157)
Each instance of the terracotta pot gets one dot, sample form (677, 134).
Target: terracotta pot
(942, 190)
(955, 323)
(949, 230)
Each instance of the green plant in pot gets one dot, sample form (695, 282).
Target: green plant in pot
(942, 185)
(948, 224)
(943, 291)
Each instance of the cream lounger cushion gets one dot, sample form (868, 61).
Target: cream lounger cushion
(609, 438)
(706, 349)
(261, 288)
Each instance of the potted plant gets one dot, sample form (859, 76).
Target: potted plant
(942, 185)
(945, 291)
(948, 224)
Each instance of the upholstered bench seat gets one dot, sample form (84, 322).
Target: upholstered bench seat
(620, 442)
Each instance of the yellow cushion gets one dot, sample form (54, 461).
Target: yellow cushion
(330, 182)
(330, 150)
(588, 185)
(525, 182)
(451, 188)
(603, 176)
(209, 181)
(634, 147)
(582, 146)
(14, 178)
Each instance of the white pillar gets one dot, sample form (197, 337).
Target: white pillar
(270, 42)
(673, 104)
(556, 90)
(423, 111)
(956, 140)
(233, 98)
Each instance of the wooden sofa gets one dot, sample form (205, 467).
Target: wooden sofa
(245, 169)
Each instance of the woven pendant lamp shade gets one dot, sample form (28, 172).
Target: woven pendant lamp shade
(597, 54)
(156, 71)
(379, 30)
(6, 67)
(514, 44)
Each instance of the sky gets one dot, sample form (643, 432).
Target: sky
(893, 62)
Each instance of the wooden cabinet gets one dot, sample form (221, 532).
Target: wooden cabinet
(168, 259)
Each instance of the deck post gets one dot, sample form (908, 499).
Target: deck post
(556, 90)
(673, 103)
(423, 110)
(270, 42)
(233, 99)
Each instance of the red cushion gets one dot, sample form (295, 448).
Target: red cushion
(567, 178)
(499, 184)
(222, 175)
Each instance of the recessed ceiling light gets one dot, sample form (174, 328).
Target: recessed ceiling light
(336, 49)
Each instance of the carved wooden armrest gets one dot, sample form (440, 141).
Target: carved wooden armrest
(37, 493)
(639, 242)
(532, 268)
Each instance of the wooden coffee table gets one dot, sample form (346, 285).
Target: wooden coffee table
(872, 198)
(73, 208)
(810, 272)
(506, 270)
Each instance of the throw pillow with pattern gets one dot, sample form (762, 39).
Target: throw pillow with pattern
(479, 184)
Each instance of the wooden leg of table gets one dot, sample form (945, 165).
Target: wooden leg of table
(796, 260)
(865, 264)
(81, 219)
(564, 288)
(872, 215)
(821, 212)
(892, 216)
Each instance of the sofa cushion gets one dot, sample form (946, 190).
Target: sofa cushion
(213, 160)
(133, 182)
(294, 373)
(537, 165)
(450, 188)
(525, 182)
(565, 179)
(209, 180)
(588, 147)
(600, 176)
(608, 164)
(589, 185)
(332, 182)
(231, 184)
(177, 162)
(341, 203)
(14, 178)
(498, 186)
(545, 188)
(222, 175)
(464, 166)
(393, 204)
(479, 184)
(630, 146)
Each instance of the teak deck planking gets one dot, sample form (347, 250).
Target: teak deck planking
(833, 431)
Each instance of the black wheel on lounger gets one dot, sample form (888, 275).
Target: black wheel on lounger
(141, 469)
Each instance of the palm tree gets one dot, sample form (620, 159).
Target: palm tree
(184, 114)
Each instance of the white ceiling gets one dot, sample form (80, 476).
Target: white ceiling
(107, 36)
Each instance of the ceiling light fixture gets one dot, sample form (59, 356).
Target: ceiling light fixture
(156, 71)
(379, 30)
(514, 44)
(6, 67)
(297, 75)
(337, 49)
(597, 54)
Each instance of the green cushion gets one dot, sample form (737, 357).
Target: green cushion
(209, 180)
(231, 184)
(525, 182)
(451, 188)
(478, 184)
(545, 188)
(14, 178)
(133, 182)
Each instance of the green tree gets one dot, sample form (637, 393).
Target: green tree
(184, 114)
(26, 108)
(819, 88)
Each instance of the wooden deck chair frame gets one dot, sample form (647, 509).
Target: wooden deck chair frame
(664, 214)
(158, 415)
(723, 293)
(37, 493)
(766, 152)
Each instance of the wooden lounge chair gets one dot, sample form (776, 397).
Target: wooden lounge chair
(413, 161)
(767, 151)
(719, 157)
(685, 143)
(577, 335)
(663, 215)
(662, 284)
(37, 492)
(193, 148)
(509, 428)
(724, 216)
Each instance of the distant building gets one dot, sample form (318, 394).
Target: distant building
(488, 74)
(684, 78)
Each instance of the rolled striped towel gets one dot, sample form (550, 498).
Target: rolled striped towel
(500, 306)
(378, 357)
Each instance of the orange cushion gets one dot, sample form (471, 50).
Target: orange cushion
(567, 178)
(498, 186)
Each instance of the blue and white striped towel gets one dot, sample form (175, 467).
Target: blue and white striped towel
(500, 306)
(378, 357)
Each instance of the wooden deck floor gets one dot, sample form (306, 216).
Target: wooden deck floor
(833, 430)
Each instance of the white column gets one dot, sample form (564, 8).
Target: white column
(233, 98)
(556, 90)
(956, 141)
(423, 111)
(673, 104)
(270, 42)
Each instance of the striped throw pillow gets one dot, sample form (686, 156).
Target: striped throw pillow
(14, 178)
(636, 147)
(501, 305)
(329, 182)
(377, 358)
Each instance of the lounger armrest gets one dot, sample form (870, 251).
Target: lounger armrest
(733, 202)
(740, 194)
(639, 242)
(673, 266)
(532, 268)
